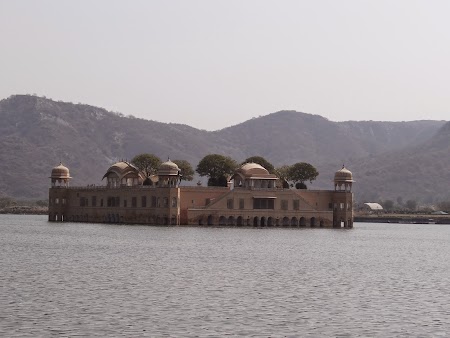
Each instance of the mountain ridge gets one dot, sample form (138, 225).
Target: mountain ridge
(37, 133)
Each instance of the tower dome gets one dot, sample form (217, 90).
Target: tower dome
(168, 168)
(343, 179)
(60, 175)
(60, 171)
(343, 175)
(168, 174)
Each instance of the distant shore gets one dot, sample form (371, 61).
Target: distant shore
(381, 218)
(24, 210)
(404, 218)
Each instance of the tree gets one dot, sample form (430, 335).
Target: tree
(6, 202)
(42, 203)
(217, 168)
(282, 173)
(444, 206)
(388, 205)
(411, 204)
(300, 185)
(187, 172)
(301, 172)
(261, 161)
(148, 164)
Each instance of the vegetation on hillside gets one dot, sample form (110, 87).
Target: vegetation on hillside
(388, 159)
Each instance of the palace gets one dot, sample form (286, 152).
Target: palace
(254, 197)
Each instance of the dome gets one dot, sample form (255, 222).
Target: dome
(253, 169)
(343, 175)
(122, 168)
(60, 172)
(168, 168)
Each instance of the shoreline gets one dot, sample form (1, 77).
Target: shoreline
(404, 219)
(385, 218)
(24, 210)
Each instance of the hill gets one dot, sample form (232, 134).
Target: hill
(37, 133)
(419, 172)
(288, 136)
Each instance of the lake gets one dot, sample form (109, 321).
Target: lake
(75, 279)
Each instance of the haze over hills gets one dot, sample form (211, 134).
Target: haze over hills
(420, 172)
(36, 133)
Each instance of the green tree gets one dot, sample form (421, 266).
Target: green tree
(7, 202)
(283, 174)
(42, 203)
(187, 172)
(302, 172)
(261, 161)
(217, 168)
(148, 164)
(411, 204)
(388, 205)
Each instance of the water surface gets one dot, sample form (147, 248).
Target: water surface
(74, 279)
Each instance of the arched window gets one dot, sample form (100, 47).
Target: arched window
(239, 221)
(210, 220)
(231, 220)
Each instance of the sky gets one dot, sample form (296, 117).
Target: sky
(213, 64)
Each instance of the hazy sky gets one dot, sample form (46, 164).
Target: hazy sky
(212, 64)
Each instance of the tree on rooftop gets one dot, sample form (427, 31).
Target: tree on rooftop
(301, 172)
(148, 164)
(282, 173)
(217, 168)
(187, 172)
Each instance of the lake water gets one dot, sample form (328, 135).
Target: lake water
(73, 279)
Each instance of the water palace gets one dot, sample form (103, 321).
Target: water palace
(254, 197)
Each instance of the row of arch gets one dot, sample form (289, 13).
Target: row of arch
(112, 218)
(56, 217)
(261, 221)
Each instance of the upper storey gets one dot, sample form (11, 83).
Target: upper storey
(253, 175)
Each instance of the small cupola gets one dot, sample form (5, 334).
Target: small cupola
(168, 174)
(343, 180)
(60, 176)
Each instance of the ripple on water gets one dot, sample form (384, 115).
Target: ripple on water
(97, 280)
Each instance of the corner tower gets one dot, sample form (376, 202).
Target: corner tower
(343, 198)
(168, 174)
(168, 179)
(57, 199)
(60, 176)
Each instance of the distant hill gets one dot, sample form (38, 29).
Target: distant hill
(420, 172)
(36, 133)
(288, 136)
